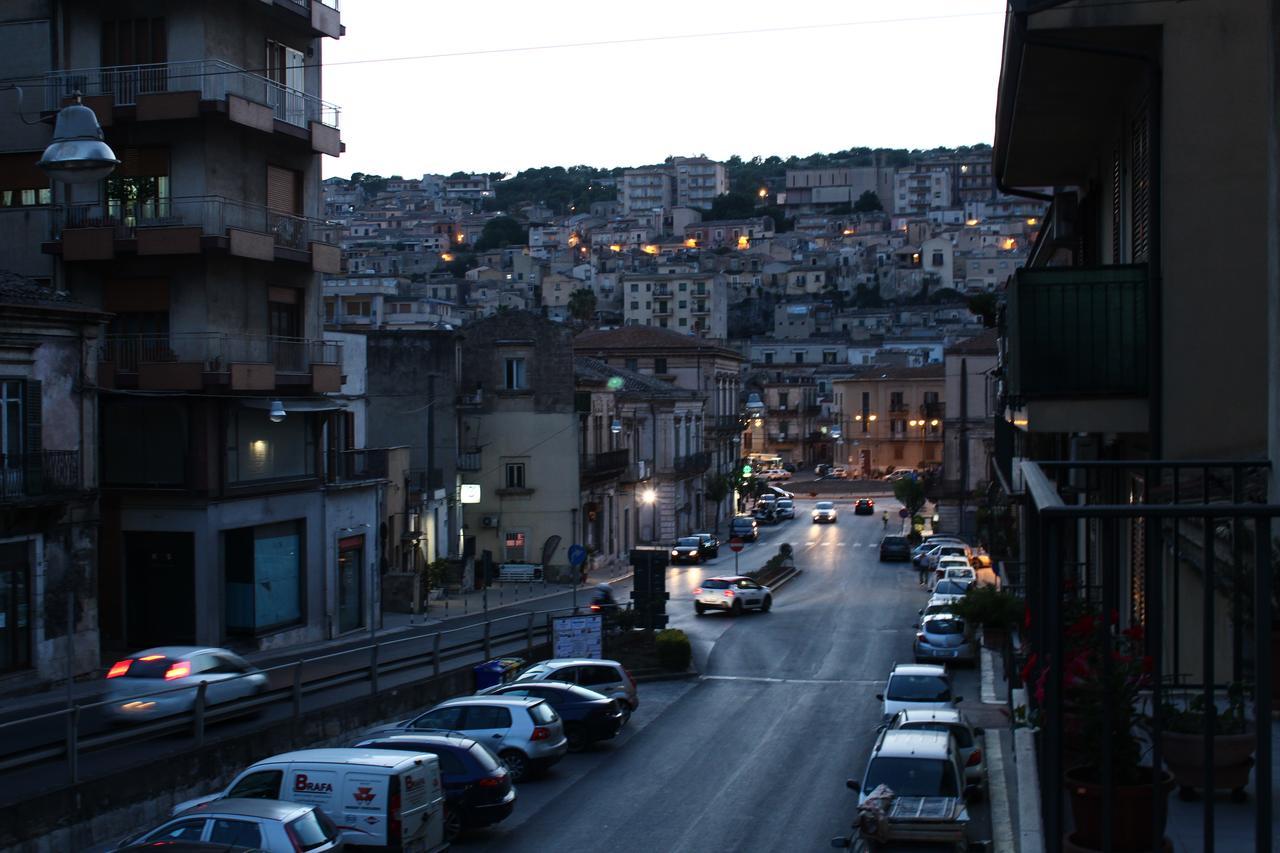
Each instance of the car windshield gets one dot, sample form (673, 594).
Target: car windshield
(712, 583)
(912, 777)
(824, 505)
(688, 542)
(949, 588)
(785, 502)
(944, 626)
(919, 688)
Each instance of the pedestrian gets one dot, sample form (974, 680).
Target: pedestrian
(884, 517)
(922, 569)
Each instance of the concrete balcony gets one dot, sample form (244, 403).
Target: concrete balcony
(321, 16)
(189, 225)
(355, 466)
(468, 460)
(39, 476)
(191, 88)
(198, 361)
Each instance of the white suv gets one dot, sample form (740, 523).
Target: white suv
(734, 594)
(917, 685)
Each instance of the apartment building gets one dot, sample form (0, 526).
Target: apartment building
(890, 418)
(733, 233)
(646, 190)
(968, 426)
(697, 181)
(691, 303)
(919, 189)
(813, 190)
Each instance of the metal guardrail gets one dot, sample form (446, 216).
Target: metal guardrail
(381, 658)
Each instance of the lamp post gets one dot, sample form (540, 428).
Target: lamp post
(650, 497)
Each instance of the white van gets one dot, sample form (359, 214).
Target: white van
(377, 797)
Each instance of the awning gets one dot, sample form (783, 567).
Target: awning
(296, 404)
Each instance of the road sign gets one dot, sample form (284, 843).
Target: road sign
(902, 513)
(577, 555)
(735, 544)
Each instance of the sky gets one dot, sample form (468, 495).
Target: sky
(713, 77)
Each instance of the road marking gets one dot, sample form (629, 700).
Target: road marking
(857, 682)
(809, 545)
(989, 678)
(1001, 823)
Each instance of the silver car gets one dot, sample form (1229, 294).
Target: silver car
(949, 720)
(944, 638)
(275, 826)
(149, 684)
(734, 594)
(525, 733)
(607, 677)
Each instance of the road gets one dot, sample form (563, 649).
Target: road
(754, 754)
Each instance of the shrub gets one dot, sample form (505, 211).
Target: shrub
(674, 651)
(985, 605)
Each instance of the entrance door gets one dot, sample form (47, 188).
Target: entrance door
(284, 325)
(15, 607)
(350, 583)
(159, 593)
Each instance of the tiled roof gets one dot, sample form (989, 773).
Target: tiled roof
(985, 343)
(19, 290)
(639, 384)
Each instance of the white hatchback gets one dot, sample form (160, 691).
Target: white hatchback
(917, 686)
(164, 680)
(734, 594)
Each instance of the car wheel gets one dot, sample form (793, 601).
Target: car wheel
(452, 824)
(766, 604)
(699, 609)
(736, 610)
(577, 736)
(516, 763)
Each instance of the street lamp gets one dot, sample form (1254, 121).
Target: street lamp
(650, 497)
(78, 154)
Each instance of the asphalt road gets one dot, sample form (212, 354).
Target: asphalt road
(754, 754)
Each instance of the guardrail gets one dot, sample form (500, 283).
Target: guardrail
(371, 662)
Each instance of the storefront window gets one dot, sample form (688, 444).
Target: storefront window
(263, 577)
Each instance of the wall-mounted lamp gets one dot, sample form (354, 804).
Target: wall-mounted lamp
(277, 412)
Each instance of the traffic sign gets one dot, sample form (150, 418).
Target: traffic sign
(735, 544)
(577, 555)
(902, 513)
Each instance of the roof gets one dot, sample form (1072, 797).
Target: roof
(931, 715)
(919, 669)
(984, 343)
(912, 742)
(633, 383)
(340, 755)
(652, 338)
(248, 807)
(509, 701)
(558, 662)
(874, 372)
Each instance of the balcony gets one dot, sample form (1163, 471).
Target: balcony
(44, 474)
(469, 460)
(933, 410)
(898, 407)
(694, 463)
(1077, 333)
(662, 309)
(321, 15)
(606, 465)
(187, 89)
(701, 308)
(725, 423)
(355, 466)
(189, 225)
(195, 361)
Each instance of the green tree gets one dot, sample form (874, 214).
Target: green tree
(501, 231)
(582, 304)
(733, 205)
(868, 202)
(716, 489)
(371, 184)
(985, 305)
(910, 492)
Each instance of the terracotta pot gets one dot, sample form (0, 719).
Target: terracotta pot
(1232, 760)
(1132, 810)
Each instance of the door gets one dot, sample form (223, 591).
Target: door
(350, 583)
(488, 724)
(159, 591)
(284, 325)
(286, 68)
(15, 602)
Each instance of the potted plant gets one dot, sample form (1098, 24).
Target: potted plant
(1233, 743)
(995, 610)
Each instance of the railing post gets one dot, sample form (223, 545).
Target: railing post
(528, 637)
(373, 670)
(435, 655)
(197, 725)
(73, 744)
(297, 690)
(487, 653)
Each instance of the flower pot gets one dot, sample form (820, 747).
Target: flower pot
(1132, 810)
(994, 637)
(1232, 761)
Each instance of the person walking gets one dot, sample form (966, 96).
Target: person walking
(884, 517)
(922, 569)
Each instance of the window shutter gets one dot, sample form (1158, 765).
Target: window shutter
(1140, 194)
(33, 441)
(1117, 203)
(282, 190)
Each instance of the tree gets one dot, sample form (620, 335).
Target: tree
(910, 492)
(733, 205)
(868, 202)
(371, 184)
(582, 304)
(716, 489)
(501, 231)
(985, 305)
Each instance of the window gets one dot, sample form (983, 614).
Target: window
(515, 374)
(259, 450)
(635, 305)
(768, 357)
(263, 577)
(515, 475)
(798, 355)
(136, 41)
(441, 718)
(487, 717)
(828, 356)
(284, 190)
(782, 399)
(515, 543)
(937, 259)
(659, 365)
(183, 830)
(899, 451)
(262, 785)
(590, 675)
(684, 321)
(146, 443)
(235, 833)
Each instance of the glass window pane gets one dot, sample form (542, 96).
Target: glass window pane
(240, 833)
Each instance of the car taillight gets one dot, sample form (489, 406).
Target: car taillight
(630, 680)
(728, 593)
(492, 781)
(974, 758)
(393, 813)
(697, 590)
(920, 637)
(540, 733)
(119, 668)
(178, 669)
(595, 608)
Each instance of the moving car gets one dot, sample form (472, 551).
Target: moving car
(146, 686)
(953, 722)
(821, 470)
(785, 508)
(526, 733)
(824, 512)
(838, 471)
(895, 548)
(379, 798)
(734, 594)
(588, 716)
(778, 474)
(864, 506)
(710, 545)
(607, 677)
(944, 637)
(477, 788)
(745, 527)
(274, 826)
(688, 549)
(919, 685)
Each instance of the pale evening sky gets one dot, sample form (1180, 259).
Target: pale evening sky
(894, 73)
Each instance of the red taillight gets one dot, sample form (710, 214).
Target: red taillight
(974, 758)
(728, 593)
(540, 733)
(492, 781)
(119, 668)
(178, 669)
(393, 813)
(629, 678)
(920, 637)
(697, 590)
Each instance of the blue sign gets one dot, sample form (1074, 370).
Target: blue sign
(577, 555)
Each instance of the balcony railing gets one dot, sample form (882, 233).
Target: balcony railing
(899, 407)
(725, 423)
(609, 463)
(1078, 333)
(469, 460)
(933, 410)
(212, 214)
(694, 463)
(216, 352)
(212, 78)
(45, 473)
(356, 465)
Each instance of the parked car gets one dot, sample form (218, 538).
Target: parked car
(953, 722)
(710, 545)
(944, 637)
(146, 685)
(919, 685)
(946, 549)
(236, 824)
(948, 571)
(932, 542)
(948, 592)
(734, 594)
(824, 512)
(785, 508)
(688, 549)
(839, 471)
(821, 470)
(766, 513)
(864, 506)
(477, 787)
(914, 764)
(744, 527)
(895, 548)
(525, 733)
(380, 798)
(607, 677)
(589, 717)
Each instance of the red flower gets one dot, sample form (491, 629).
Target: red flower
(1083, 627)
(1028, 668)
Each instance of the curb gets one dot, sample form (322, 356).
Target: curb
(785, 579)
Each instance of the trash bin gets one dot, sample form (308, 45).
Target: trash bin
(497, 671)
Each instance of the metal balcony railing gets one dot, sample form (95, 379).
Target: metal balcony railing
(39, 474)
(212, 78)
(694, 463)
(212, 214)
(356, 465)
(469, 460)
(216, 351)
(725, 423)
(609, 463)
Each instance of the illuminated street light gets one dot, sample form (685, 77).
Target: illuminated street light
(648, 496)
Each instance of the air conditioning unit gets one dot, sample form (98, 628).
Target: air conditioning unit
(488, 521)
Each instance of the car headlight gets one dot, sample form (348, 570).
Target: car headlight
(675, 553)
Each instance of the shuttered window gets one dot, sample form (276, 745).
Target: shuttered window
(284, 190)
(1117, 203)
(1140, 181)
(135, 41)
